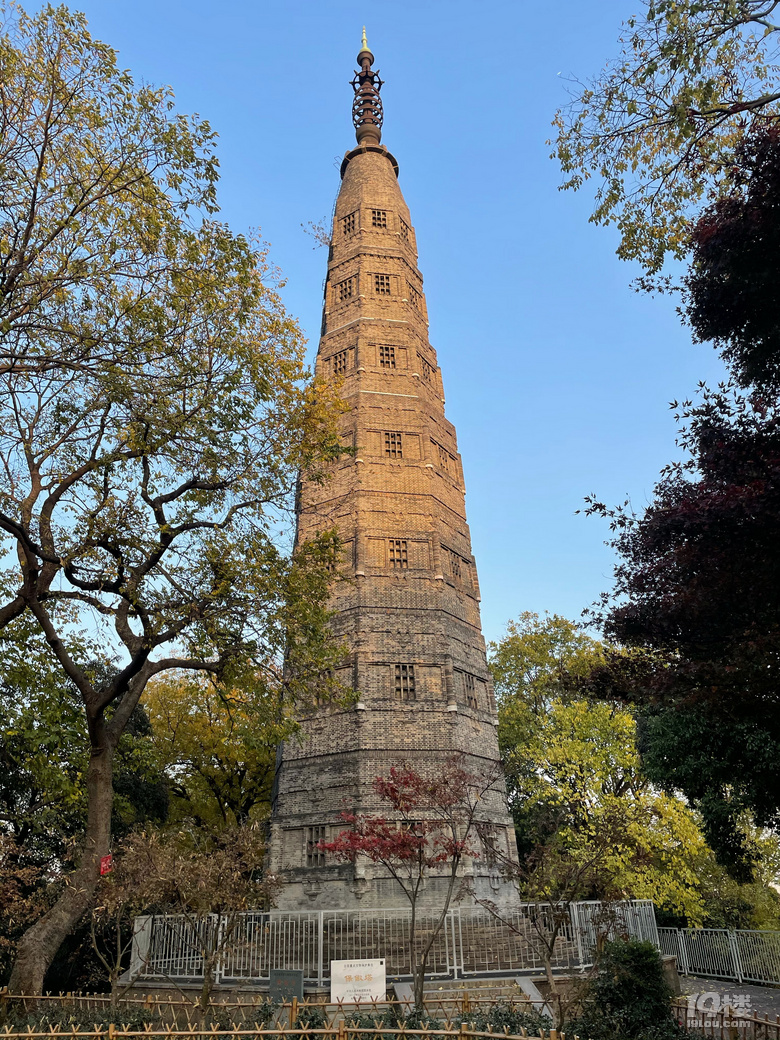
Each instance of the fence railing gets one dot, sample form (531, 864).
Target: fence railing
(342, 1031)
(449, 1008)
(726, 1021)
(473, 942)
(741, 955)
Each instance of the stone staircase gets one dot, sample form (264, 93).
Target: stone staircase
(459, 996)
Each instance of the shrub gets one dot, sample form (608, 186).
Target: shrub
(259, 1016)
(310, 1017)
(628, 998)
(506, 1016)
(68, 1017)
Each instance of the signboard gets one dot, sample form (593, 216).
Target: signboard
(106, 864)
(286, 984)
(352, 981)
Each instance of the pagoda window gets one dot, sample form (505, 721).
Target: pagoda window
(427, 370)
(404, 229)
(404, 682)
(348, 224)
(340, 362)
(455, 566)
(399, 555)
(314, 857)
(382, 284)
(470, 686)
(346, 289)
(414, 296)
(394, 445)
(387, 357)
(488, 839)
(444, 458)
(379, 218)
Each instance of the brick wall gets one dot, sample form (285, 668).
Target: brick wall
(411, 594)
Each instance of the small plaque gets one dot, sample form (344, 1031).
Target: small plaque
(353, 981)
(285, 984)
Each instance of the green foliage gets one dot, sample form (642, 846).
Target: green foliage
(45, 756)
(394, 1018)
(536, 662)
(52, 1015)
(377, 1020)
(659, 127)
(154, 416)
(730, 903)
(628, 998)
(507, 1017)
(697, 596)
(216, 746)
(726, 764)
(261, 1016)
(42, 800)
(589, 823)
(65, 1016)
(418, 1018)
(311, 1017)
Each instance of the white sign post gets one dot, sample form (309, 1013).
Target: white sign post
(354, 981)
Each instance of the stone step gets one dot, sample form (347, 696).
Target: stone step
(457, 991)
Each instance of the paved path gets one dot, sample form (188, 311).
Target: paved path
(713, 994)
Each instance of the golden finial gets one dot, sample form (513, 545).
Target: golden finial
(364, 41)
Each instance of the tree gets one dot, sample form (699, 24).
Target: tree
(731, 904)
(20, 897)
(42, 798)
(588, 820)
(563, 868)
(580, 777)
(696, 594)
(731, 292)
(208, 879)
(153, 416)
(661, 126)
(537, 660)
(428, 831)
(217, 747)
(696, 584)
(628, 997)
(90, 221)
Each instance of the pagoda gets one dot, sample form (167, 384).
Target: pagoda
(407, 606)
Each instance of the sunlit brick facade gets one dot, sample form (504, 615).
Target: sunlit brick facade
(409, 611)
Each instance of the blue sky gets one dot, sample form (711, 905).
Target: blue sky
(557, 374)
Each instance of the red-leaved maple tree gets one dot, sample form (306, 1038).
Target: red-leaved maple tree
(427, 832)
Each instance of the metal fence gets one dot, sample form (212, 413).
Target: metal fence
(725, 1022)
(473, 942)
(742, 955)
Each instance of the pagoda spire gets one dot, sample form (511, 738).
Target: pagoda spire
(367, 104)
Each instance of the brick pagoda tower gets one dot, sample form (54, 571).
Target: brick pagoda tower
(409, 611)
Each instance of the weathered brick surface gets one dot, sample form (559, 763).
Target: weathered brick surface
(404, 483)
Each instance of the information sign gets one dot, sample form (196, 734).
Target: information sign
(286, 984)
(353, 981)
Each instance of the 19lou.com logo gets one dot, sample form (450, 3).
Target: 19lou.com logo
(704, 1007)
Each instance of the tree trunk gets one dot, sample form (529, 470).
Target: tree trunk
(419, 988)
(555, 997)
(39, 944)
